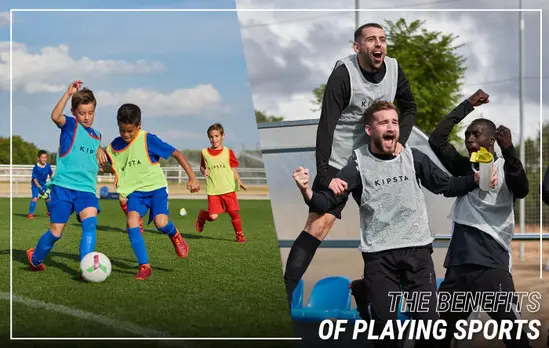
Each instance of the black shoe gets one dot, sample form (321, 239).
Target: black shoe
(358, 290)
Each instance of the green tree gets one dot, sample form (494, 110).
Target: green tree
(318, 93)
(261, 117)
(23, 151)
(431, 64)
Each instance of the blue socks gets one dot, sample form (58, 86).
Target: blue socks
(138, 245)
(32, 207)
(45, 244)
(87, 243)
(169, 229)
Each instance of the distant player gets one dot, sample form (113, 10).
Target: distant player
(134, 158)
(218, 165)
(73, 187)
(40, 174)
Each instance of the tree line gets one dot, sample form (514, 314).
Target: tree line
(25, 152)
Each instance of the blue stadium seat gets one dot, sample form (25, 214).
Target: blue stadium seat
(297, 296)
(439, 281)
(328, 297)
(104, 192)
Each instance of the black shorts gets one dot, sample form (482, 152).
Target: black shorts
(405, 269)
(317, 187)
(478, 278)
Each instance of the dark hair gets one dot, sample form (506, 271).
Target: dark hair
(83, 97)
(491, 126)
(375, 107)
(129, 114)
(358, 32)
(217, 127)
(42, 152)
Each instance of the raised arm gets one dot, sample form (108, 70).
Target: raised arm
(57, 114)
(456, 163)
(437, 181)
(515, 175)
(406, 105)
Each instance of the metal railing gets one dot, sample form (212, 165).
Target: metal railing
(23, 174)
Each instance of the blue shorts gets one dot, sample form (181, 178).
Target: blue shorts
(66, 201)
(156, 201)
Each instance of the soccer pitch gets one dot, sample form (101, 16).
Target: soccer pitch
(222, 289)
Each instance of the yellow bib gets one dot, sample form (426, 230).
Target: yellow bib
(133, 168)
(221, 178)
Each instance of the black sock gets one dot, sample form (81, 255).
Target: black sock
(301, 255)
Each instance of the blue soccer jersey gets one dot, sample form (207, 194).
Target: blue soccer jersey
(41, 174)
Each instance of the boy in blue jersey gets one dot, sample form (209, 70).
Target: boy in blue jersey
(40, 173)
(73, 187)
(134, 157)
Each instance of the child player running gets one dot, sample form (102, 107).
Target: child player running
(73, 187)
(218, 165)
(40, 173)
(134, 159)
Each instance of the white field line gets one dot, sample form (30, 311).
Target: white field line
(80, 314)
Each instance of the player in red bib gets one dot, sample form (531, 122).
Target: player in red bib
(218, 165)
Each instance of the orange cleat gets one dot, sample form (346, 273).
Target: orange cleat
(30, 216)
(145, 272)
(37, 268)
(181, 247)
(240, 237)
(199, 224)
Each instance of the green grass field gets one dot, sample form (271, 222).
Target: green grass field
(222, 289)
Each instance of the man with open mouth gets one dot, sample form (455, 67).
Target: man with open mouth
(395, 237)
(356, 82)
(479, 254)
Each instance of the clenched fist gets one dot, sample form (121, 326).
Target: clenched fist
(301, 178)
(503, 137)
(478, 98)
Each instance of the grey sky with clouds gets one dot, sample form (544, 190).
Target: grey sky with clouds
(290, 53)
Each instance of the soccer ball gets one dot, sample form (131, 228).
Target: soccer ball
(182, 212)
(95, 267)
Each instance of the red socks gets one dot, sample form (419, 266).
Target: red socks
(204, 215)
(235, 219)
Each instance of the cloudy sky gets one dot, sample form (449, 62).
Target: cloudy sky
(290, 53)
(185, 70)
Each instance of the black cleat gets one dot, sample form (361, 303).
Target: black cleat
(358, 290)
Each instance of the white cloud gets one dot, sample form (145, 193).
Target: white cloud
(51, 69)
(4, 19)
(180, 102)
